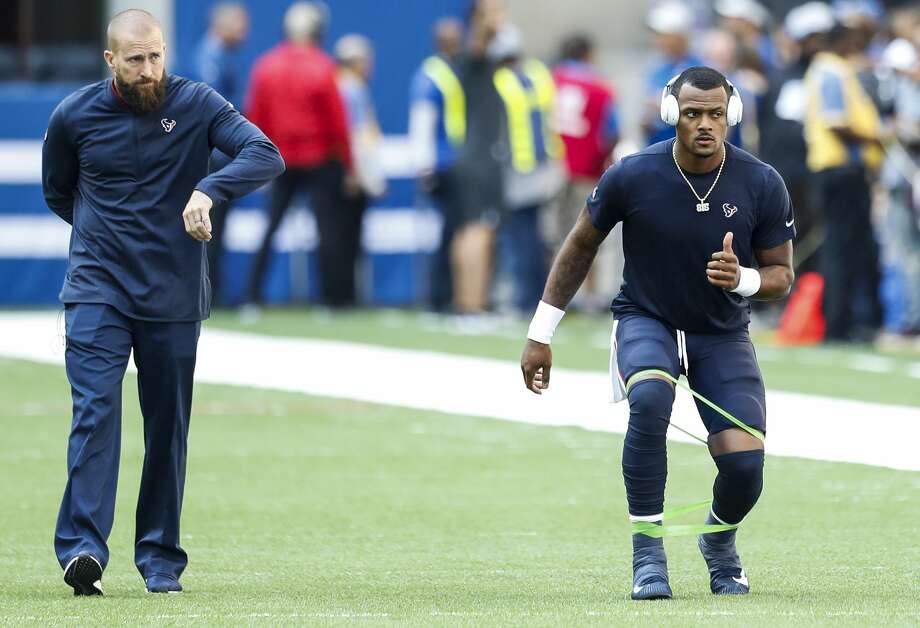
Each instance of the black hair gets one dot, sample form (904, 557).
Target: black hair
(576, 47)
(703, 78)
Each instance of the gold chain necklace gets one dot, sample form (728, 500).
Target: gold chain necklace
(702, 206)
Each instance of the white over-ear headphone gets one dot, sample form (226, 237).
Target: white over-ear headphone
(670, 110)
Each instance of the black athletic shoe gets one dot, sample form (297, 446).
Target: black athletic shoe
(84, 574)
(160, 583)
(726, 575)
(650, 575)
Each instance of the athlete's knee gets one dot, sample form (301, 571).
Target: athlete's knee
(738, 484)
(650, 402)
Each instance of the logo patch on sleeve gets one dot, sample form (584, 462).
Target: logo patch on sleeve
(168, 125)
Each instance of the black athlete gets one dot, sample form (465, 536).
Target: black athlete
(706, 227)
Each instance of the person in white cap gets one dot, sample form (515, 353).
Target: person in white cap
(749, 21)
(782, 112)
(671, 24)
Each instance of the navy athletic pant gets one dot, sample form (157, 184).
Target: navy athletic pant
(99, 342)
(722, 367)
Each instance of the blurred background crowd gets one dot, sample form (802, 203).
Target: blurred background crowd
(509, 121)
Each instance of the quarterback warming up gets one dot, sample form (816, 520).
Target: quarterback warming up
(706, 228)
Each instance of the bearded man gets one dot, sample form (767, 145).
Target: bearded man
(125, 161)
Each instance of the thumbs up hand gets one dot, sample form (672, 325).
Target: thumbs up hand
(722, 270)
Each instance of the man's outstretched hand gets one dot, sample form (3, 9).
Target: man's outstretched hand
(722, 270)
(536, 362)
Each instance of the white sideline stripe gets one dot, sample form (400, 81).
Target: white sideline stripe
(393, 230)
(21, 160)
(805, 426)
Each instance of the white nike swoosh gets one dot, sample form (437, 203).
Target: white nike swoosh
(789, 224)
(742, 580)
(637, 589)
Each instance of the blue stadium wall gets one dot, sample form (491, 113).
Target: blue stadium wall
(399, 231)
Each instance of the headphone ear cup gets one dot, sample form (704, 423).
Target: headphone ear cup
(670, 110)
(735, 109)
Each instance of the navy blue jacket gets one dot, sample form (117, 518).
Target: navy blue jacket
(123, 179)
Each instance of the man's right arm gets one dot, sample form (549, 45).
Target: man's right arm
(567, 274)
(60, 167)
(573, 261)
(603, 210)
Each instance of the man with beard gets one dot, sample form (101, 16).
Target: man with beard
(125, 161)
(706, 227)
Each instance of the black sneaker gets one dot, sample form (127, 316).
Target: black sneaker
(650, 575)
(726, 575)
(84, 574)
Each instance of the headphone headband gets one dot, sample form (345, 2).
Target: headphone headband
(670, 110)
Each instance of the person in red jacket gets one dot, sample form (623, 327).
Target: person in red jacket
(294, 99)
(586, 120)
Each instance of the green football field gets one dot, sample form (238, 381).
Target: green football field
(308, 510)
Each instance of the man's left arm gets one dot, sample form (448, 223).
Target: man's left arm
(772, 245)
(776, 273)
(256, 161)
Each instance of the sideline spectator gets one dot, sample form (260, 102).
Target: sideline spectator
(749, 21)
(437, 130)
(671, 23)
(901, 173)
(586, 120)
(294, 98)
(842, 131)
(782, 114)
(478, 164)
(532, 174)
(356, 61)
(217, 64)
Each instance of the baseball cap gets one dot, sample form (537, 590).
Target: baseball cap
(749, 10)
(810, 18)
(670, 18)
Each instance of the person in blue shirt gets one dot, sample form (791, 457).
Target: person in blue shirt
(670, 23)
(125, 161)
(437, 131)
(706, 228)
(216, 62)
(216, 59)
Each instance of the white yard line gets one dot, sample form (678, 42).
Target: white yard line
(806, 426)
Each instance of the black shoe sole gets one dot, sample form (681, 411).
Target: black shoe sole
(653, 591)
(82, 574)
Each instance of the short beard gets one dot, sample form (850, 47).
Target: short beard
(142, 100)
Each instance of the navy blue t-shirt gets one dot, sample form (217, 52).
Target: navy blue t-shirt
(122, 180)
(667, 243)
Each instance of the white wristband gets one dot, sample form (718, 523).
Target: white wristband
(544, 322)
(748, 281)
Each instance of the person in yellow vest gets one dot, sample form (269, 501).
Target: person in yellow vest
(842, 133)
(532, 172)
(437, 129)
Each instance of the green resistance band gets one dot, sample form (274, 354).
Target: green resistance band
(657, 531)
